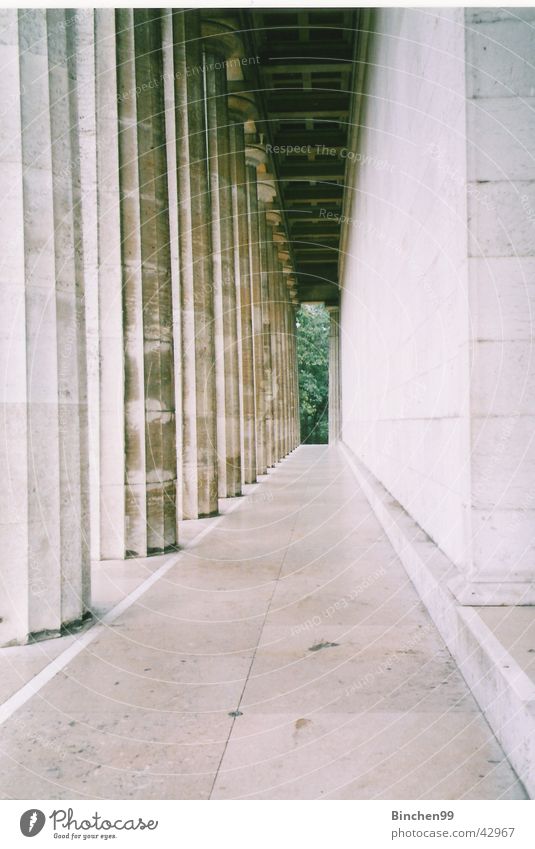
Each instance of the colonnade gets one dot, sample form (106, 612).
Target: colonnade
(149, 315)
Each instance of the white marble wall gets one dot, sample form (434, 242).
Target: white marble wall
(438, 380)
(404, 316)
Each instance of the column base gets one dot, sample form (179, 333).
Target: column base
(68, 628)
(168, 549)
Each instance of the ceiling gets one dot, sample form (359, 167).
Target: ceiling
(304, 80)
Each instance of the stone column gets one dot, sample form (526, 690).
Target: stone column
(297, 401)
(157, 312)
(282, 253)
(172, 190)
(289, 381)
(288, 365)
(223, 266)
(110, 306)
(199, 428)
(334, 373)
(131, 294)
(242, 109)
(278, 337)
(291, 400)
(294, 381)
(274, 307)
(138, 457)
(70, 286)
(44, 510)
(81, 33)
(253, 155)
(266, 193)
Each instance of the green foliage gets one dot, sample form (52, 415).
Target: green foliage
(313, 361)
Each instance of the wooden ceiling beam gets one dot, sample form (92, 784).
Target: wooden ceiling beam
(312, 170)
(317, 52)
(318, 139)
(314, 67)
(301, 193)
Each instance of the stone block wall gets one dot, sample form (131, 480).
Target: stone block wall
(404, 315)
(438, 378)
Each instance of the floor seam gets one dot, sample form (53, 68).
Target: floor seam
(260, 633)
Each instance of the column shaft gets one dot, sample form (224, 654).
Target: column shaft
(243, 272)
(110, 311)
(275, 347)
(157, 312)
(70, 317)
(280, 348)
(285, 355)
(256, 303)
(82, 34)
(296, 435)
(44, 458)
(334, 374)
(131, 295)
(267, 377)
(224, 278)
(199, 435)
(172, 190)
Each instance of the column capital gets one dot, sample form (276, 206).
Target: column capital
(219, 36)
(291, 282)
(255, 154)
(274, 218)
(267, 190)
(242, 108)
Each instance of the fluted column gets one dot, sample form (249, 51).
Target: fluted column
(240, 110)
(283, 353)
(145, 292)
(290, 356)
(266, 194)
(294, 383)
(288, 366)
(285, 369)
(275, 342)
(274, 219)
(223, 265)
(81, 41)
(111, 410)
(172, 190)
(44, 500)
(291, 400)
(199, 427)
(334, 373)
(252, 158)
(131, 293)
(157, 313)
(297, 414)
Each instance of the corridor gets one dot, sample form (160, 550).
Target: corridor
(284, 654)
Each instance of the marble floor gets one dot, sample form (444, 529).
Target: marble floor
(283, 654)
